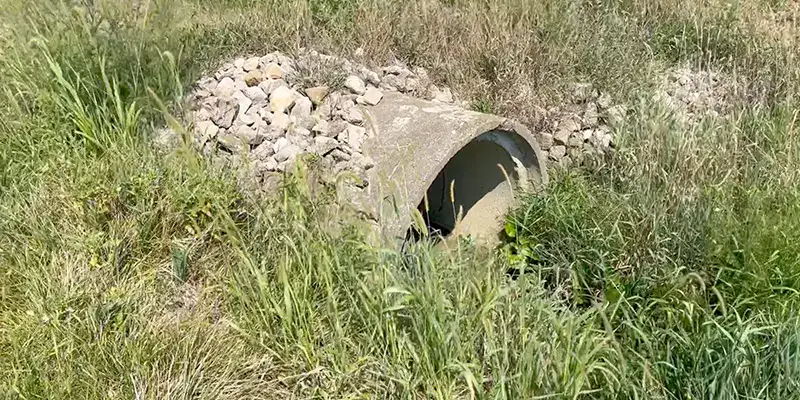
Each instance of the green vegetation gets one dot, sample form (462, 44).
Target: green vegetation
(670, 272)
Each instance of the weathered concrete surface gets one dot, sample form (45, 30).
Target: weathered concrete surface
(412, 141)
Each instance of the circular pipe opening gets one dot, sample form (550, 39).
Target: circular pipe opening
(473, 192)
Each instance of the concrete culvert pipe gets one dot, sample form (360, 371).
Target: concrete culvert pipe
(458, 167)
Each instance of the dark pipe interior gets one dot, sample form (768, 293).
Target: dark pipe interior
(475, 178)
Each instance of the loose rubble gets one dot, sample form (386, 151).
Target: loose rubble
(692, 95)
(265, 112)
(258, 111)
(580, 133)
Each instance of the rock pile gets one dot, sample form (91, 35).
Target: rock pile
(580, 133)
(262, 113)
(693, 95)
(266, 111)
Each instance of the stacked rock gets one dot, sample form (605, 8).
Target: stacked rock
(264, 112)
(580, 132)
(259, 111)
(692, 95)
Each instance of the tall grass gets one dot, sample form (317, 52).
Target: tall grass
(671, 272)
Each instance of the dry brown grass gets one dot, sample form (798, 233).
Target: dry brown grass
(509, 56)
(682, 254)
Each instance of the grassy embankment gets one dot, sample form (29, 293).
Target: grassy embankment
(673, 272)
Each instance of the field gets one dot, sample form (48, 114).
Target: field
(671, 271)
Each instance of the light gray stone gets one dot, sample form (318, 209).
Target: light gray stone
(344, 103)
(323, 111)
(562, 136)
(576, 155)
(324, 145)
(354, 116)
(370, 76)
(288, 152)
(345, 147)
(225, 112)
(205, 131)
(265, 114)
(269, 86)
(287, 65)
(336, 128)
(299, 136)
(396, 70)
(239, 84)
(432, 92)
(251, 64)
(569, 124)
(260, 168)
(231, 143)
(280, 144)
(307, 123)
(253, 78)
(301, 109)
(590, 114)
(333, 101)
(209, 84)
(576, 140)
(281, 121)
(249, 135)
(199, 95)
(257, 95)
(596, 139)
(270, 164)
(243, 102)
(557, 152)
(583, 92)
(321, 128)
(411, 85)
(281, 99)
(339, 155)
(355, 137)
(545, 140)
(604, 101)
(270, 133)
(607, 140)
(355, 84)
(267, 59)
(371, 97)
(444, 96)
(225, 67)
(203, 114)
(421, 74)
(225, 88)
(362, 162)
(263, 151)
(392, 83)
(273, 71)
(247, 118)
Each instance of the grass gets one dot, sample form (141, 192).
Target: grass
(669, 272)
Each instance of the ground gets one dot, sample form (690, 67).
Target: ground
(669, 271)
